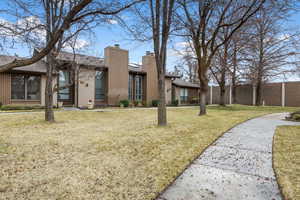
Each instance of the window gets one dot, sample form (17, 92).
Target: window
(130, 87)
(33, 87)
(25, 87)
(183, 94)
(138, 88)
(135, 87)
(100, 85)
(64, 81)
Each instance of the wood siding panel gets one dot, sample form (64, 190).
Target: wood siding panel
(193, 95)
(292, 94)
(271, 94)
(5, 88)
(244, 94)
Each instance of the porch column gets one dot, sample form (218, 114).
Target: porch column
(283, 94)
(253, 95)
(211, 94)
(230, 94)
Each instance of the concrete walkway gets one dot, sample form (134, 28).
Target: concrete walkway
(237, 166)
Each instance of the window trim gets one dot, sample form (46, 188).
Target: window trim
(25, 88)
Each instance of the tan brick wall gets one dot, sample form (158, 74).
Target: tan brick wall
(116, 60)
(149, 65)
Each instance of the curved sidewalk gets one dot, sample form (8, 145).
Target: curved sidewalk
(237, 166)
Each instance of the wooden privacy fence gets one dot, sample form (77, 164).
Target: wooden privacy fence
(273, 94)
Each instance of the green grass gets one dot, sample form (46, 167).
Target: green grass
(287, 160)
(120, 154)
(238, 107)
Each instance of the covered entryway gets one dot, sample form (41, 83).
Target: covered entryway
(66, 88)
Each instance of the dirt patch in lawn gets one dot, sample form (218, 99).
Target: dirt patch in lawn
(286, 153)
(104, 155)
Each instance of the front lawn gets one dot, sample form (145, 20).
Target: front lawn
(105, 155)
(287, 160)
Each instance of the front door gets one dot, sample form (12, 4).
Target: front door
(66, 88)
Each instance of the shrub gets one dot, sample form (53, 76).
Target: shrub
(155, 103)
(175, 102)
(295, 116)
(144, 103)
(0, 104)
(21, 107)
(124, 102)
(137, 103)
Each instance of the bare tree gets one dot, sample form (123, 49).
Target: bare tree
(152, 21)
(188, 68)
(225, 68)
(78, 10)
(61, 21)
(202, 23)
(271, 51)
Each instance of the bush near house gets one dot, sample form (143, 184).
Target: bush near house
(155, 103)
(0, 104)
(20, 107)
(175, 102)
(138, 103)
(124, 102)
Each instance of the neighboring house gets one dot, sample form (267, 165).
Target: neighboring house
(185, 92)
(96, 81)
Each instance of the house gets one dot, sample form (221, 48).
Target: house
(185, 92)
(94, 80)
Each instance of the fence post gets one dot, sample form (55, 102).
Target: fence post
(211, 95)
(253, 95)
(282, 94)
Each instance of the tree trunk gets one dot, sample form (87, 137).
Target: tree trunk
(222, 95)
(203, 93)
(162, 111)
(49, 114)
(233, 92)
(223, 76)
(258, 94)
(233, 80)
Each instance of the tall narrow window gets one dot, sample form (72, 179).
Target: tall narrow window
(18, 87)
(183, 94)
(138, 88)
(33, 87)
(64, 81)
(25, 87)
(130, 87)
(100, 85)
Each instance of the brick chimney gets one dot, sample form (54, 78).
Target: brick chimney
(116, 59)
(149, 65)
